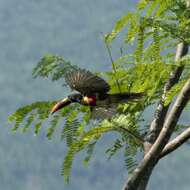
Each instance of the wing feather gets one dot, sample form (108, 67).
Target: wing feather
(85, 82)
(100, 113)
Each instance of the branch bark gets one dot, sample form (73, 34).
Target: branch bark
(176, 143)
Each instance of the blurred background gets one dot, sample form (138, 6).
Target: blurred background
(72, 28)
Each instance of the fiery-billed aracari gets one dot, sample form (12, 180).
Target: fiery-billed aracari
(93, 92)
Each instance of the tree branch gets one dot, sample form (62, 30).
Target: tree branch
(176, 143)
(160, 130)
(151, 158)
(162, 110)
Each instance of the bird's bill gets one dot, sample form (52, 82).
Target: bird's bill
(60, 105)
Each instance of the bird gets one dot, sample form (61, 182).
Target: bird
(93, 91)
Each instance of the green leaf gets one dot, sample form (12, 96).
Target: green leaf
(90, 150)
(120, 24)
(54, 66)
(67, 164)
(173, 92)
(53, 126)
(114, 148)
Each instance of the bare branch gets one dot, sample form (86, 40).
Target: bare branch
(151, 158)
(176, 143)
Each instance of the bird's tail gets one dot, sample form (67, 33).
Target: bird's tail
(125, 97)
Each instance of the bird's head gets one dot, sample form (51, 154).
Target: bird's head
(66, 101)
(75, 97)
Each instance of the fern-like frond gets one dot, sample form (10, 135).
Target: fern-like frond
(120, 24)
(174, 91)
(53, 66)
(90, 149)
(130, 158)
(53, 125)
(37, 110)
(118, 144)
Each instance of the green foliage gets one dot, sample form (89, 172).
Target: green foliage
(90, 150)
(130, 158)
(52, 66)
(114, 148)
(173, 92)
(154, 28)
(146, 77)
(121, 23)
(37, 110)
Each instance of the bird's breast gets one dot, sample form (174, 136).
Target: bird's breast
(89, 100)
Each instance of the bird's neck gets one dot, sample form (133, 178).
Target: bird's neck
(89, 100)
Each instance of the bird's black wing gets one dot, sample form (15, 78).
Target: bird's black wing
(85, 82)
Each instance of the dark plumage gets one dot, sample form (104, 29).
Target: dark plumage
(86, 83)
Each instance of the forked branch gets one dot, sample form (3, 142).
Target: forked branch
(176, 143)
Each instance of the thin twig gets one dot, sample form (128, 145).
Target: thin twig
(113, 64)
